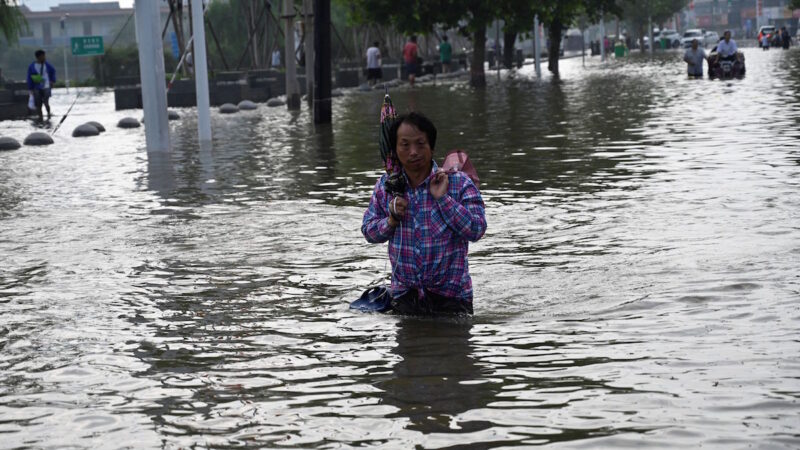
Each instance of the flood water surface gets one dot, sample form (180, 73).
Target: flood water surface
(637, 285)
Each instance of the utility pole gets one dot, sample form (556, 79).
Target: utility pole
(537, 47)
(322, 61)
(292, 89)
(151, 68)
(67, 49)
(650, 32)
(497, 46)
(201, 74)
(308, 27)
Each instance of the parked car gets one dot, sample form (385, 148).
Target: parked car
(690, 35)
(711, 37)
(672, 37)
(769, 30)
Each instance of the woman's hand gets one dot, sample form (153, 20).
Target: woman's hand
(397, 210)
(439, 184)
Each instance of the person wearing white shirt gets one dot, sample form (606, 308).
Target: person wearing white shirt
(726, 48)
(374, 72)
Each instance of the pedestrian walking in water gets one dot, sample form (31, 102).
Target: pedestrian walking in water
(410, 58)
(694, 58)
(374, 71)
(445, 54)
(787, 39)
(41, 77)
(429, 227)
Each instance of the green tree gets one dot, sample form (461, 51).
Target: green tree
(640, 12)
(794, 4)
(558, 15)
(12, 22)
(421, 16)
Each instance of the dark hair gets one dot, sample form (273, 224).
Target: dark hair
(444, 38)
(376, 43)
(39, 53)
(419, 122)
(413, 38)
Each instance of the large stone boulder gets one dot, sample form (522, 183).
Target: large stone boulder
(85, 130)
(273, 102)
(247, 105)
(228, 108)
(38, 138)
(7, 143)
(128, 122)
(97, 125)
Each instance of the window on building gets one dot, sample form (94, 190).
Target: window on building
(87, 27)
(47, 38)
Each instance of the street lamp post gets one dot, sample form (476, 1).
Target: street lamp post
(66, 48)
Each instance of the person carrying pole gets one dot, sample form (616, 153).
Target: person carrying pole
(41, 77)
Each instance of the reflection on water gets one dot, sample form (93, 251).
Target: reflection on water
(637, 285)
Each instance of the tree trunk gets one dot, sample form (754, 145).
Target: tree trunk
(508, 48)
(477, 75)
(554, 33)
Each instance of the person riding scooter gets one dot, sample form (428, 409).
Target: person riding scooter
(726, 48)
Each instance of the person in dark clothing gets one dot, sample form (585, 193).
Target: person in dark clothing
(41, 77)
(787, 38)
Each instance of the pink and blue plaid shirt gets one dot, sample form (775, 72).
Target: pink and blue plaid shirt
(428, 250)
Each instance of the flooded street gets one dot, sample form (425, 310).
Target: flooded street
(638, 283)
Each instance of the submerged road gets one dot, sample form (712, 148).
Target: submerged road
(637, 285)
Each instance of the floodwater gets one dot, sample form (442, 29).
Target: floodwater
(638, 284)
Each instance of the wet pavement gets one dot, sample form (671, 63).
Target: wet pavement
(637, 285)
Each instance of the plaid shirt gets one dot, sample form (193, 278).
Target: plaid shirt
(429, 248)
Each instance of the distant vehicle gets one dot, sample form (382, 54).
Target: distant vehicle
(672, 37)
(711, 37)
(656, 37)
(768, 30)
(690, 35)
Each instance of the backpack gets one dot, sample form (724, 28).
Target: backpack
(458, 160)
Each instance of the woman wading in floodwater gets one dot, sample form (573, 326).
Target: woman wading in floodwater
(428, 228)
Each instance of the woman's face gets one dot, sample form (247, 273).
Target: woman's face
(413, 149)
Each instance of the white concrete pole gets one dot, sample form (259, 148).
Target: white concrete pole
(292, 89)
(758, 16)
(497, 46)
(153, 77)
(201, 73)
(308, 21)
(537, 47)
(67, 50)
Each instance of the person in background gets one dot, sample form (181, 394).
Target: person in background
(41, 77)
(694, 57)
(445, 54)
(410, 58)
(276, 58)
(787, 39)
(764, 42)
(374, 72)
